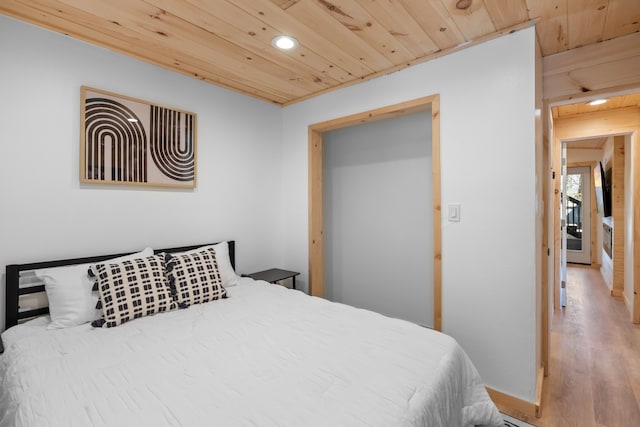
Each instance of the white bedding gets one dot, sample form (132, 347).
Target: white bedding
(266, 356)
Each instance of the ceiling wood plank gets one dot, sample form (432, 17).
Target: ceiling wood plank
(586, 144)
(623, 17)
(507, 13)
(584, 57)
(284, 4)
(615, 74)
(567, 110)
(613, 103)
(260, 35)
(609, 75)
(254, 36)
(473, 21)
(211, 47)
(586, 21)
(280, 19)
(318, 18)
(365, 26)
(399, 22)
(434, 55)
(630, 100)
(590, 125)
(436, 21)
(551, 24)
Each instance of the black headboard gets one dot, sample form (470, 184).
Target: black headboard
(13, 289)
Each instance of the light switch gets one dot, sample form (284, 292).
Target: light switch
(454, 212)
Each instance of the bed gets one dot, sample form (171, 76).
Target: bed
(259, 355)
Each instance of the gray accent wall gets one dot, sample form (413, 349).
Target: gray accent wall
(378, 217)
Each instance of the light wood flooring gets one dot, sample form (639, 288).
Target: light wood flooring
(595, 359)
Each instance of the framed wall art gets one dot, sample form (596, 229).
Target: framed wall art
(125, 140)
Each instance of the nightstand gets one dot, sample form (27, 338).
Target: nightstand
(274, 275)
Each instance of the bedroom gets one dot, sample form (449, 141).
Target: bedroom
(252, 176)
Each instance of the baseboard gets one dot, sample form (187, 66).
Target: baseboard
(513, 406)
(616, 293)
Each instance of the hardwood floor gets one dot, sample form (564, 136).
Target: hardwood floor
(595, 359)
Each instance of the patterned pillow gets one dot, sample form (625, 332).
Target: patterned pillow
(132, 289)
(194, 278)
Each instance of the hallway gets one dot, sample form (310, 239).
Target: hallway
(595, 359)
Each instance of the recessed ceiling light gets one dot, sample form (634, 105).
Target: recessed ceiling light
(132, 120)
(597, 102)
(284, 42)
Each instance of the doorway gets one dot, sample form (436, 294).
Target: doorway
(316, 220)
(579, 121)
(377, 188)
(578, 214)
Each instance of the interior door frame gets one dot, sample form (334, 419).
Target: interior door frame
(593, 210)
(588, 177)
(316, 244)
(563, 226)
(612, 122)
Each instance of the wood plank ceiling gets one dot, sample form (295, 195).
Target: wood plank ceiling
(341, 42)
(615, 102)
(612, 103)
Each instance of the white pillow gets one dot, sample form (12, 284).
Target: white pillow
(71, 300)
(227, 274)
(69, 291)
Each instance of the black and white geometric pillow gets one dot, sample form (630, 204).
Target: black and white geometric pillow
(132, 289)
(194, 278)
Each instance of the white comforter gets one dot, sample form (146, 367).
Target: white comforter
(266, 356)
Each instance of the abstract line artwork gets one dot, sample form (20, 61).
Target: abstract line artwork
(129, 141)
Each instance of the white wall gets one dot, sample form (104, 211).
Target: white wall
(583, 155)
(46, 213)
(488, 166)
(378, 195)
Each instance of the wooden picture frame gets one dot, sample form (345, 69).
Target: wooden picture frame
(128, 141)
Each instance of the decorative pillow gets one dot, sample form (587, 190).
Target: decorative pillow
(194, 278)
(227, 274)
(146, 252)
(68, 289)
(132, 289)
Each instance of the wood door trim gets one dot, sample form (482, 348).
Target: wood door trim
(612, 122)
(316, 244)
(593, 209)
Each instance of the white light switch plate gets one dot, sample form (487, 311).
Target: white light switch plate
(453, 212)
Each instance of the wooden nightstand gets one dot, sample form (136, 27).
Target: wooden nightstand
(274, 275)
